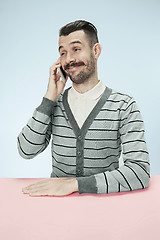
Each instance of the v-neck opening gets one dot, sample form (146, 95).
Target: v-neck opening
(90, 118)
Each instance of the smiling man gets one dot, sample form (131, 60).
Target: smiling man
(90, 125)
(86, 64)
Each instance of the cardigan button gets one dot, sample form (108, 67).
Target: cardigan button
(79, 153)
(80, 137)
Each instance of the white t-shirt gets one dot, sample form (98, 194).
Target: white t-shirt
(81, 104)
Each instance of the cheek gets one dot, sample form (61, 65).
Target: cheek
(86, 56)
(81, 55)
(83, 58)
(62, 62)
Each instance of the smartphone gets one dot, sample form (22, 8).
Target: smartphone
(63, 73)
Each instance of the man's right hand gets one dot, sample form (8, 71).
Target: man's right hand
(55, 85)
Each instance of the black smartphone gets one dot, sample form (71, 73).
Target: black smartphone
(63, 73)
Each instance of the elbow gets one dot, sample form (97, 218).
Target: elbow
(22, 153)
(146, 177)
(143, 183)
(25, 156)
(142, 176)
(146, 181)
(143, 171)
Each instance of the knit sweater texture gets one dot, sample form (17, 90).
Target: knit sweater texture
(91, 153)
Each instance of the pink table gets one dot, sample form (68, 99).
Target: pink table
(128, 216)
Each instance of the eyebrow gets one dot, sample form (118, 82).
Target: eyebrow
(77, 41)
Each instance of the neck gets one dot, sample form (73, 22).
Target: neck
(87, 85)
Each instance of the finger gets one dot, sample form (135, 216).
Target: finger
(64, 81)
(54, 73)
(55, 65)
(36, 189)
(25, 191)
(43, 191)
(41, 183)
(58, 76)
(38, 192)
(53, 70)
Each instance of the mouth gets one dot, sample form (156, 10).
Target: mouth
(73, 67)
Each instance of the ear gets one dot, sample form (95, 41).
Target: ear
(97, 48)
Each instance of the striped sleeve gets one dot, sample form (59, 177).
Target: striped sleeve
(35, 136)
(135, 172)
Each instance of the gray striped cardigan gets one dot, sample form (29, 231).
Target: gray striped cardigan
(91, 153)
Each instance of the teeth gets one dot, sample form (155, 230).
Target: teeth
(73, 67)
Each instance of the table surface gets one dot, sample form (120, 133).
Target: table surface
(129, 216)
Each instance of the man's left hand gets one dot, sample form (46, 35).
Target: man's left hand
(53, 187)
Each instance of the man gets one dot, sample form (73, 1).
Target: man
(89, 123)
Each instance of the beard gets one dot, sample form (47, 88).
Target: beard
(84, 75)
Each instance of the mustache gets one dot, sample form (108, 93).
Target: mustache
(74, 65)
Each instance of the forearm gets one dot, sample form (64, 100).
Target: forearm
(135, 173)
(35, 136)
(129, 177)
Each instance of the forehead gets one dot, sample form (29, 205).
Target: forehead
(65, 41)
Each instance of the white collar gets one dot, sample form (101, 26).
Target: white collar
(93, 93)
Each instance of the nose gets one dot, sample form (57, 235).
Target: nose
(69, 59)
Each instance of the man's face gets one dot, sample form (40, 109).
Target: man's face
(76, 56)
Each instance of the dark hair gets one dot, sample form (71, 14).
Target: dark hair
(87, 27)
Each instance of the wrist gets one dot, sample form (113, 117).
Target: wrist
(46, 106)
(50, 97)
(74, 184)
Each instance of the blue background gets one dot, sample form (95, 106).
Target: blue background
(129, 34)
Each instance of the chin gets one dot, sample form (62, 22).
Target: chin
(81, 77)
(77, 81)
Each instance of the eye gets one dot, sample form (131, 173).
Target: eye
(62, 53)
(76, 49)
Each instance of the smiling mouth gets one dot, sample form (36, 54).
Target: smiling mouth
(73, 68)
